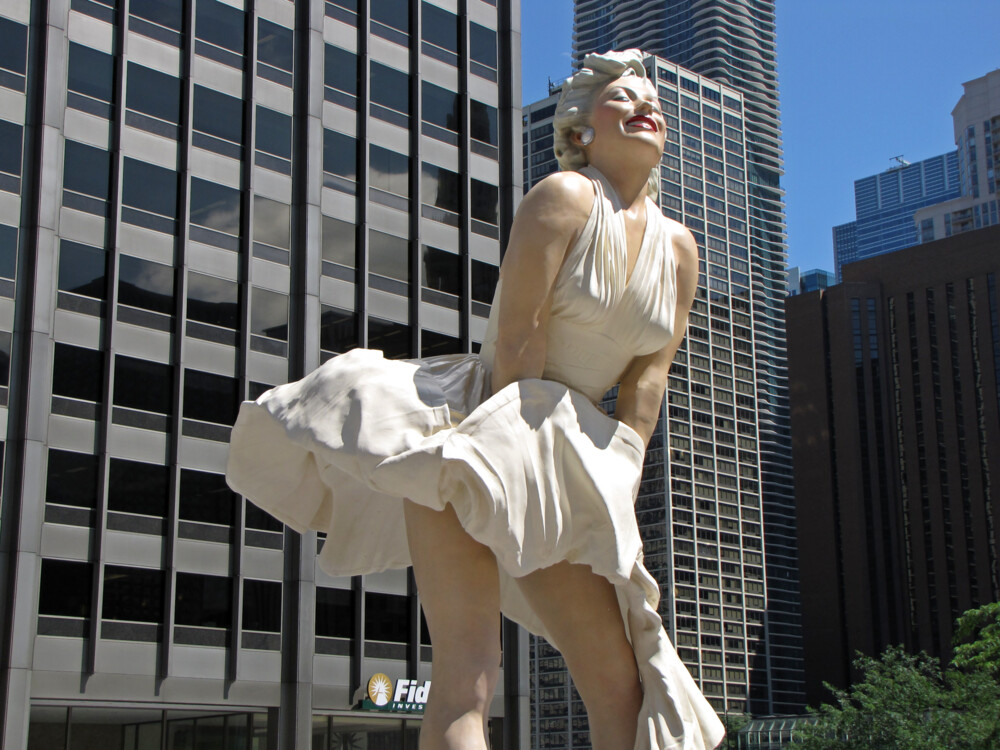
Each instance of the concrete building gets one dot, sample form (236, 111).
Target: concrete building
(699, 504)
(885, 205)
(895, 378)
(198, 201)
(976, 120)
(734, 44)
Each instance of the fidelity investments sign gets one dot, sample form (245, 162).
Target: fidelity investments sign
(405, 695)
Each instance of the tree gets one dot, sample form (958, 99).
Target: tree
(907, 702)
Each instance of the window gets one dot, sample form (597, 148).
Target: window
(484, 281)
(387, 617)
(144, 385)
(433, 343)
(213, 300)
(8, 251)
(158, 19)
(390, 176)
(274, 52)
(340, 161)
(152, 100)
(389, 259)
(13, 54)
(391, 20)
(440, 34)
(82, 269)
(273, 140)
(338, 329)
(441, 271)
(5, 343)
(71, 479)
(484, 127)
(86, 178)
(66, 588)
(219, 32)
(392, 338)
(390, 94)
(132, 594)
(441, 109)
(269, 314)
(77, 372)
(441, 189)
(149, 196)
(262, 606)
(258, 519)
(206, 498)
(91, 79)
(146, 285)
(137, 487)
(483, 51)
(485, 201)
(339, 244)
(272, 223)
(215, 214)
(334, 613)
(217, 122)
(203, 601)
(209, 397)
(341, 76)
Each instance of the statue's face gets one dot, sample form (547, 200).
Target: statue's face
(626, 115)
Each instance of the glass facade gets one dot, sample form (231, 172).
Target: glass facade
(227, 216)
(885, 205)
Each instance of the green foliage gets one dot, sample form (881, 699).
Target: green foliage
(907, 702)
(977, 640)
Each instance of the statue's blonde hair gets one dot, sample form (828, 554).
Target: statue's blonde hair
(577, 101)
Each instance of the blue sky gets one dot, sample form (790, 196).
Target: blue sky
(861, 82)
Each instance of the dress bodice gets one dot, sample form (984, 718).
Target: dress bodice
(601, 315)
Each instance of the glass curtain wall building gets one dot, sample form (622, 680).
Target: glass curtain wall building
(700, 505)
(199, 200)
(734, 43)
(885, 205)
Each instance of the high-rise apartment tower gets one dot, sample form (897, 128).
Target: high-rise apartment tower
(199, 200)
(699, 504)
(734, 43)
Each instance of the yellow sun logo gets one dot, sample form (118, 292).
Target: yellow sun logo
(379, 689)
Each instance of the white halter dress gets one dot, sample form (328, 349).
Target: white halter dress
(536, 472)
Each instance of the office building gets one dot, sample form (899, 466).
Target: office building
(886, 203)
(801, 282)
(699, 503)
(200, 200)
(976, 119)
(734, 44)
(895, 378)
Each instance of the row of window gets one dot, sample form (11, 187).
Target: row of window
(134, 594)
(219, 32)
(150, 192)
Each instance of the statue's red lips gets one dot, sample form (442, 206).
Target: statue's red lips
(642, 120)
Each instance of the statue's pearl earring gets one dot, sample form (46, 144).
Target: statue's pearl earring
(587, 136)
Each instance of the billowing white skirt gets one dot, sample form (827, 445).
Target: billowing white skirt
(535, 472)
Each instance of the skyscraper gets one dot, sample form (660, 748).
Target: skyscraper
(699, 503)
(199, 200)
(896, 378)
(976, 120)
(734, 43)
(885, 205)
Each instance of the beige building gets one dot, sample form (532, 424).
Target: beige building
(976, 120)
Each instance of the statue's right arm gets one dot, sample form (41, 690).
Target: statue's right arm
(548, 222)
